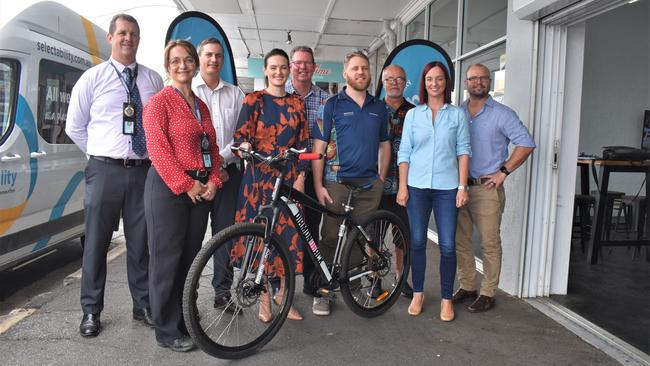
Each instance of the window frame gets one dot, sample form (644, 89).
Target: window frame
(61, 69)
(13, 98)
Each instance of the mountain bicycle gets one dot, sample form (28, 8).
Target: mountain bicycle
(369, 268)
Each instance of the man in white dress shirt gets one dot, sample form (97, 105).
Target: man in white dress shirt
(224, 101)
(105, 121)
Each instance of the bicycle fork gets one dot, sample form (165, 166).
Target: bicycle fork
(268, 234)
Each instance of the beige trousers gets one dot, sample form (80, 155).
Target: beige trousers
(484, 211)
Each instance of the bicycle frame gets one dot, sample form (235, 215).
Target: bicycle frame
(284, 196)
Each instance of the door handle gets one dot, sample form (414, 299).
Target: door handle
(37, 154)
(9, 157)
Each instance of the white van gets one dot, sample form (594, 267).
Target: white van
(43, 51)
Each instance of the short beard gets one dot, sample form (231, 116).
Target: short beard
(357, 85)
(479, 95)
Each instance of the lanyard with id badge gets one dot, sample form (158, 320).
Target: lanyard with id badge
(129, 108)
(205, 143)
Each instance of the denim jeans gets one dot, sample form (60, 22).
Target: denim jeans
(419, 206)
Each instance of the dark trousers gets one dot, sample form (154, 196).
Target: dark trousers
(364, 203)
(176, 228)
(222, 215)
(111, 190)
(312, 220)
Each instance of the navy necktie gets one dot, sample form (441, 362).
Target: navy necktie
(138, 140)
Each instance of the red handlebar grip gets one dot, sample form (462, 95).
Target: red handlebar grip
(310, 156)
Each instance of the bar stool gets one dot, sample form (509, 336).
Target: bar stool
(582, 208)
(614, 198)
(640, 228)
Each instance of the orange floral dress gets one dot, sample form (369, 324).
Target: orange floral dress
(272, 125)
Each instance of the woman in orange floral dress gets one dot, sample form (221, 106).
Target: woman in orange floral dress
(271, 121)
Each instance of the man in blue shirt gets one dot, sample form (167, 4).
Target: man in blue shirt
(354, 130)
(492, 127)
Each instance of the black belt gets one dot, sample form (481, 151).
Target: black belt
(127, 163)
(200, 175)
(477, 181)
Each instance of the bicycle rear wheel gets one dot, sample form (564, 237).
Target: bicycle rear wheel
(375, 266)
(234, 330)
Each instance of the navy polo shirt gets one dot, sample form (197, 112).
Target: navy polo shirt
(353, 135)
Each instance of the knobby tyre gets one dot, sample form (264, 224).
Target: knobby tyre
(374, 272)
(233, 330)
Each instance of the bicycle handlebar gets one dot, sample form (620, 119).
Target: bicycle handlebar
(310, 156)
(291, 154)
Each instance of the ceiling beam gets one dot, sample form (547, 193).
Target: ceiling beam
(248, 50)
(250, 12)
(323, 25)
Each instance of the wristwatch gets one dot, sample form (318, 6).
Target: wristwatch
(504, 170)
(463, 188)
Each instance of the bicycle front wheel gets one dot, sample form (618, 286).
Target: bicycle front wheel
(235, 328)
(375, 264)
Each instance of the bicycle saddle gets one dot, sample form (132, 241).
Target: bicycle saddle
(362, 184)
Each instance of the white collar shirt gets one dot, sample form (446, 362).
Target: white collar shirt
(94, 120)
(225, 102)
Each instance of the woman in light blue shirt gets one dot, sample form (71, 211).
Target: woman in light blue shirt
(433, 162)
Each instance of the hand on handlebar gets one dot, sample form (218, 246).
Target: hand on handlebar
(242, 150)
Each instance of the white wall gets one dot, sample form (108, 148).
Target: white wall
(615, 89)
(518, 95)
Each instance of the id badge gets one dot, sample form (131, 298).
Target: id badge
(207, 160)
(128, 118)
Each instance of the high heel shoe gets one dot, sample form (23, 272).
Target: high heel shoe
(415, 308)
(293, 313)
(265, 314)
(447, 316)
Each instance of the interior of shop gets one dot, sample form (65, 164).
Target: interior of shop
(613, 291)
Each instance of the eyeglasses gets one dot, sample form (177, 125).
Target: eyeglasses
(398, 80)
(302, 63)
(178, 61)
(473, 79)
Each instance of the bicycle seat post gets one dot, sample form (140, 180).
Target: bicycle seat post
(347, 206)
(343, 227)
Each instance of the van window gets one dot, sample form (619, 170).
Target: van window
(8, 93)
(55, 82)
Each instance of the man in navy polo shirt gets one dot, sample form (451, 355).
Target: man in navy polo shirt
(354, 130)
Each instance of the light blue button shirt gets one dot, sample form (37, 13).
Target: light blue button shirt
(432, 149)
(493, 128)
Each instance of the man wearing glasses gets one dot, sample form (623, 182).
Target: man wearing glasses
(492, 127)
(393, 78)
(302, 70)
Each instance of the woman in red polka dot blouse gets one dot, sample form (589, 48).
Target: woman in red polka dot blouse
(183, 177)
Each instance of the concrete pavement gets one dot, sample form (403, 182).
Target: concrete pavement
(513, 333)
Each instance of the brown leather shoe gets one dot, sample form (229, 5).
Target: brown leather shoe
(482, 303)
(461, 295)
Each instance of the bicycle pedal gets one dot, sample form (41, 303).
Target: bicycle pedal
(326, 293)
